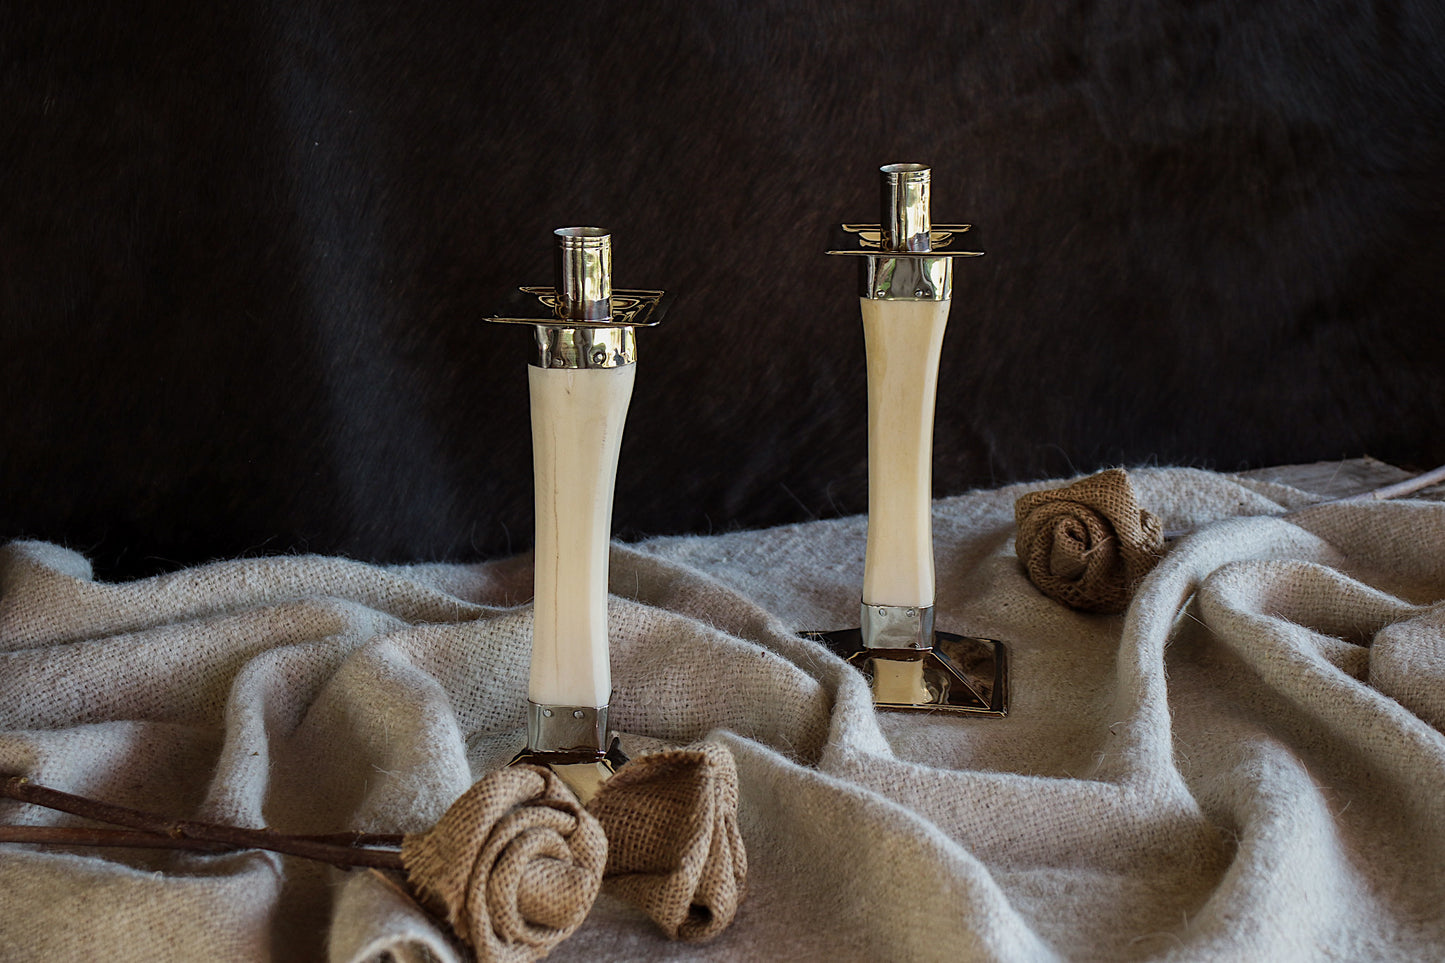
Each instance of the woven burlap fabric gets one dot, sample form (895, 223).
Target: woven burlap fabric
(1248, 765)
(1088, 544)
(674, 849)
(513, 866)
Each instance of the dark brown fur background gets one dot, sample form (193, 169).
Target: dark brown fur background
(245, 249)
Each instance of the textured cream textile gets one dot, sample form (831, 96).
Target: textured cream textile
(1247, 764)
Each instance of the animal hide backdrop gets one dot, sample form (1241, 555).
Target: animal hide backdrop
(246, 250)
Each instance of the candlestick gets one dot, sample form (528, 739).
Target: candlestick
(580, 382)
(906, 291)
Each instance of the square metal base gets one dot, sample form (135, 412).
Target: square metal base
(961, 673)
(583, 771)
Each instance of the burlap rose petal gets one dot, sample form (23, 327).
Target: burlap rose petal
(513, 866)
(673, 846)
(1088, 544)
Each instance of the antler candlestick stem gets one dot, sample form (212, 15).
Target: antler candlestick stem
(580, 381)
(907, 288)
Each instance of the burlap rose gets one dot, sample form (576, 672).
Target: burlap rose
(513, 866)
(1089, 544)
(673, 846)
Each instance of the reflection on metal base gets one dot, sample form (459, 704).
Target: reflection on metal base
(961, 673)
(583, 771)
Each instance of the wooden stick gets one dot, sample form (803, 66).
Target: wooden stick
(1400, 489)
(86, 836)
(355, 838)
(1385, 492)
(345, 853)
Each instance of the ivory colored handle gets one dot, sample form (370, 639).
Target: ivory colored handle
(904, 340)
(577, 418)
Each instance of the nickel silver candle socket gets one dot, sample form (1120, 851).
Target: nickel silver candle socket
(905, 257)
(580, 322)
(911, 665)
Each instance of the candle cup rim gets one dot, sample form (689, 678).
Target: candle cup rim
(582, 235)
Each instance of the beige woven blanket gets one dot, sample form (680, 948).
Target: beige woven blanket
(1247, 764)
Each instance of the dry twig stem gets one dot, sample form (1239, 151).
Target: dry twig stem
(124, 838)
(343, 849)
(1385, 492)
(1407, 487)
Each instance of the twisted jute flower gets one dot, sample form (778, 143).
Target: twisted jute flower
(1089, 544)
(513, 866)
(673, 846)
